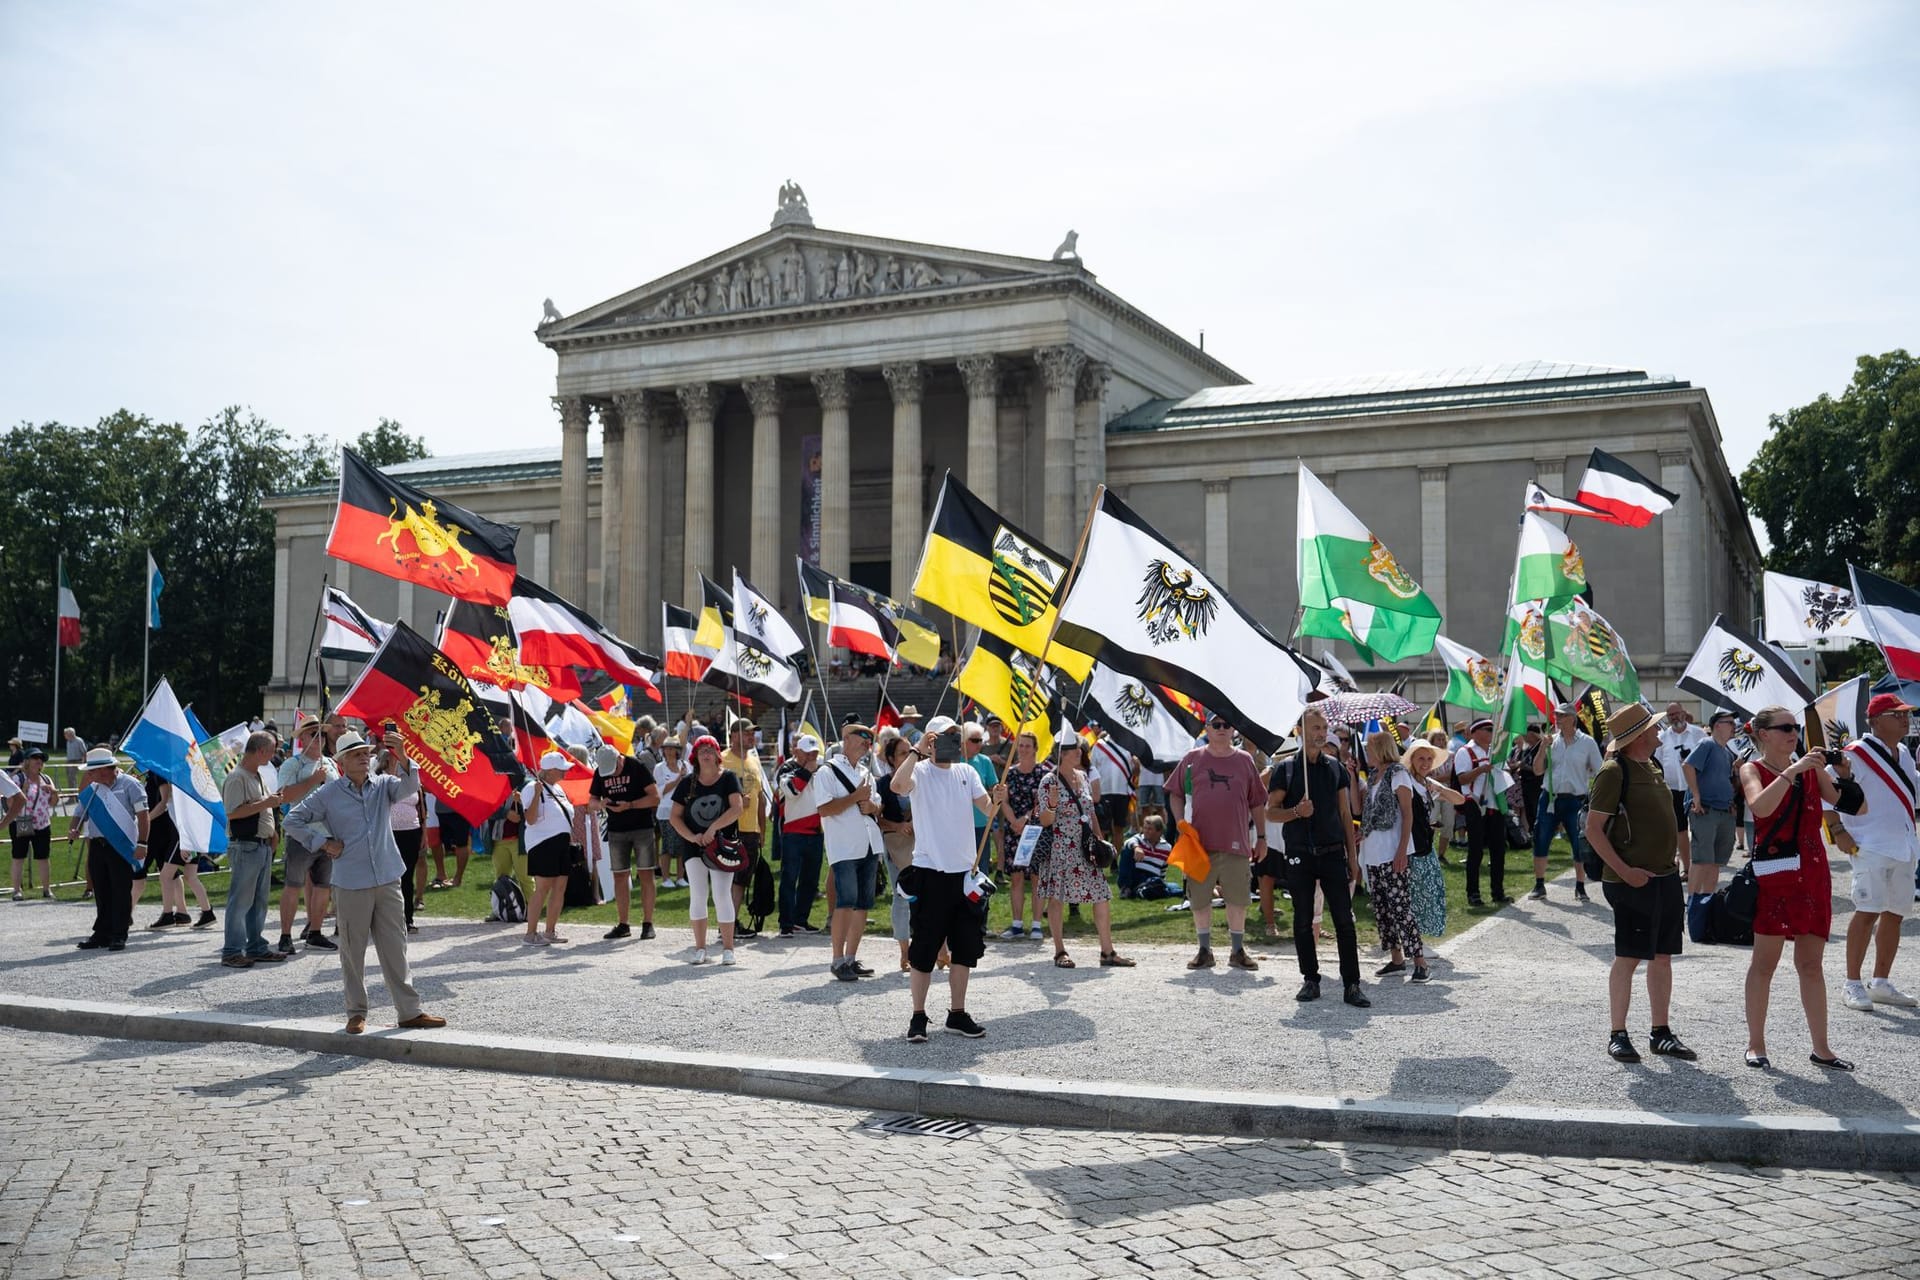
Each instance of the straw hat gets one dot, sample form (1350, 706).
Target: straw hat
(1628, 723)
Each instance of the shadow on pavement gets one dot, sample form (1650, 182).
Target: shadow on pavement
(279, 1085)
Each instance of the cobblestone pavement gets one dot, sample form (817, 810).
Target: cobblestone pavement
(131, 1159)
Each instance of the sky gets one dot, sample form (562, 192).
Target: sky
(337, 212)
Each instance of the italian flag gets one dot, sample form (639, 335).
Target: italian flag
(1351, 587)
(1623, 494)
(69, 613)
(1472, 681)
(1549, 566)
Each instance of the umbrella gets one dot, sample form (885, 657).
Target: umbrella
(1358, 708)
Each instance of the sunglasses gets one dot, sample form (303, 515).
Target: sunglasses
(862, 733)
(1788, 725)
(1217, 724)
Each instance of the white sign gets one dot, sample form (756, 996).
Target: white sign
(34, 731)
(1029, 841)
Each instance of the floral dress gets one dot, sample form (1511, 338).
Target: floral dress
(1793, 901)
(1023, 794)
(1067, 875)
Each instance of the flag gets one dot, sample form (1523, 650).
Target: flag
(1334, 676)
(481, 640)
(754, 613)
(855, 623)
(889, 717)
(1575, 643)
(351, 634)
(754, 673)
(1892, 614)
(1189, 705)
(1472, 681)
(1804, 612)
(1548, 566)
(1733, 669)
(1592, 711)
(1009, 682)
(555, 633)
(450, 736)
(686, 657)
(391, 527)
(1842, 711)
(164, 742)
(1140, 605)
(1351, 587)
(111, 819)
(1529, 694)
(1134, 715)
(66, 611)
(716, 614)
(919, 644)
(1621, 494)
(1189, 855)
(984, 570)
(154, 584)
(1538, 499)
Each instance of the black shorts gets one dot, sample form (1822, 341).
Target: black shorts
(1273, 866)
(1682, 809)
(940, 917)
(39, 843)
(1113, 814)
(1648, 921)
(552, 858)
(455, 831)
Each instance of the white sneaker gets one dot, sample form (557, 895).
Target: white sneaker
(699, 956)
(726, 957)
(1882, 991)
(1013, 932)
(1037, 932)
(1854, 996)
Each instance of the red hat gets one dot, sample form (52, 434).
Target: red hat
(702, 742)
(1881, 703)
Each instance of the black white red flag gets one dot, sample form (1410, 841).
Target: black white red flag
(557, 633)
(1620, 494)
(1892, 612)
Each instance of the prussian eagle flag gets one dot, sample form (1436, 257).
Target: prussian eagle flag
(1136, 716)
(1142, 606)
(1620, 493)
(162, 741)
(754, 613)
(854, 623)
(1805, 612)
(109, 818)
(391, 527)
(556, 633)
(352, 634)
(1893, 619)
(1736, 670)
(1351, 587)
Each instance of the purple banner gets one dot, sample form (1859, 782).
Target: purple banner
(810, 499)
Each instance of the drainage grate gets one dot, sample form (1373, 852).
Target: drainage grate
(925, 1126)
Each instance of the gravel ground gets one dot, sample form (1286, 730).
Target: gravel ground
(1516, 1012)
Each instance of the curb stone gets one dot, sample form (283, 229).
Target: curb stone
(1826, 1142)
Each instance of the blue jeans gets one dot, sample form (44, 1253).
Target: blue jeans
(1129, 875)
(800, 855)
(250, 865)
(1559, 811)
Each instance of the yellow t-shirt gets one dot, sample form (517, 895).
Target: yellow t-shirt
(753, 785)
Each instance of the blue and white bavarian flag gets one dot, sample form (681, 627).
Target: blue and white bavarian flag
(108, 817)
(163, 742)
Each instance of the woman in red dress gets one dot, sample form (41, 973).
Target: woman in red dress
(1785, 795)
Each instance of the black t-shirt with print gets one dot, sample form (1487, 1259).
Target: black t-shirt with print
(703, 803)
(627, 783)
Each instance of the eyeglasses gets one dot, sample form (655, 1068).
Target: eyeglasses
(1217, 724)
(1788, 725)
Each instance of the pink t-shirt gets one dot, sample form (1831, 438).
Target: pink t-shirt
(1222, 795)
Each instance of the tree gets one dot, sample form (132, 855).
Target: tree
(389, 443)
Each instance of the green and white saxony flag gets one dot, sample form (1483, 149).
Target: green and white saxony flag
(1549, 566)
(1351, 587)
(1472, 680)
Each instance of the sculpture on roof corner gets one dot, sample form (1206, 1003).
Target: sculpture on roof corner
(552, 315)
(793, 210)
(1069, 250)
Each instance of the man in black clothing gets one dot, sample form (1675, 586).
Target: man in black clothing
(1473, 774)
(1308, 795)
(624, 787)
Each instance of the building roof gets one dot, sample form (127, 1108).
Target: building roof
(1484, 386)
(494, 467)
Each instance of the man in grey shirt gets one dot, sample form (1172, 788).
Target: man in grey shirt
(349, 819)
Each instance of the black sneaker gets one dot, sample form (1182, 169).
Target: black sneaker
(1620, 1048)
(859, 968)
(1580, 893)
(164, 922)
(1309, 990)
(616, 933)
(321, 942)
(786, 931)
(917, 1029)
(804, 927)
(646, 932)
(286, 944)
(1539, 893)
(206, 918)
(1663, 1042)
(961, 1023)
(845, 972)
(1356, 997)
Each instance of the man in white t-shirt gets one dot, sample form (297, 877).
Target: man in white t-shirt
(843, 794)
(944, 857)
(1886, 846)
(1113, 781)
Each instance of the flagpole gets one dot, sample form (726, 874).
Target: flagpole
(59, 572)
(954, 670)
(313, 634)
(146, 642)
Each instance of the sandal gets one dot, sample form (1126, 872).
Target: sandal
(1831, 1064)
(1061, 960)
(1114, 960)
(1758, 1061)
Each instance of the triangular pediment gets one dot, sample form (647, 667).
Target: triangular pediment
(791, 268)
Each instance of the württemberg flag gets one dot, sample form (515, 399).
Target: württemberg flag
(108, 817)
(1141, 606)
(1351, 587)
(163, 741)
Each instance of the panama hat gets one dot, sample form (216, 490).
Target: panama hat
(350, 741)
(99, 758)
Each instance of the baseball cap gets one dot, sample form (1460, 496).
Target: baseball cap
(808, 743)
(1718, 716)
(941, 724)
(556, 760)
(1881, 704)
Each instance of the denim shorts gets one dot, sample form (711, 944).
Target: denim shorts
(853, 883)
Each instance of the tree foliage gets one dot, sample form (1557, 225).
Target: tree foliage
(107, 494)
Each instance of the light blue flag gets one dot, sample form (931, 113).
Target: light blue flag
(109, 818)
(154, 583)
(164, 742)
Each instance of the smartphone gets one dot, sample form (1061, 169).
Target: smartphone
(947, 749)
(388, 726)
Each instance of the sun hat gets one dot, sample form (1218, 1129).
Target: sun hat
(350, 741)
(1417, 747)
(1628, 723)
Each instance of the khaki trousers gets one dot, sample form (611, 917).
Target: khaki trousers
(378, 914)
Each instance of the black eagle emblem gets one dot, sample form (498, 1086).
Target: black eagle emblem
(1740, 670)
(753, 664)
(757, 617)
(1826, 608)
(1022, 581)
(1172, 606)
(1135, 707)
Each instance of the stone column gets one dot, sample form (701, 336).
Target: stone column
(342, 576)
(698, 401)
(1680, 558)
(1433, 535)
(763, 544)
(906, 380)
(982, 376)
(282, 567)
(835, 389)
(1217, 532)
(1060, 366)
(1014, 398)
(639, 546)
(543, 554)
(403, 605)
(1089, 435)
(613, 560)
(570, 550)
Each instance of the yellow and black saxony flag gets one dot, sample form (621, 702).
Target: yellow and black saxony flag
(919, 638)
(1009, 683)
(716, 614)
(985, 570)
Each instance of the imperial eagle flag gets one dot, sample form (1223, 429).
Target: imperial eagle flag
(754, 613)
(919, 639)
(1620, 493)
(1142, 606)
(1472, 681)
(391, 527)
(1139, 718)
(1892, 615)
(1010, 683)
(481, 639)
(754, 673)
(686, 656)
(1736, 670)
(1842, 711)
(555, 633)
(982, 569)
(1351, 587)
(451, 738)
(1816, 614)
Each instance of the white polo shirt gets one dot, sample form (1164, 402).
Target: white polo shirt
(1886, 828)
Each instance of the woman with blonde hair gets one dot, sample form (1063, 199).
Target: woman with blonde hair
(1386, 854)
(1064, 803)
(1426, 884)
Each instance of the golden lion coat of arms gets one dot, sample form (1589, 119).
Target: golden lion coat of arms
(443, 730)
(433, 540)
(1572, 566)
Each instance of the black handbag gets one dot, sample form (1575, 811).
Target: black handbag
(1739, 899)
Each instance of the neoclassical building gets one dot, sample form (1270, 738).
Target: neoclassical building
(802, 393)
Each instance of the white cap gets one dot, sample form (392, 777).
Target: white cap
(555, 760)
(808, 743)
(940, 724)
(606, 761)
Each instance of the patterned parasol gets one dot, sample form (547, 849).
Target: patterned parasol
(1358, 708)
